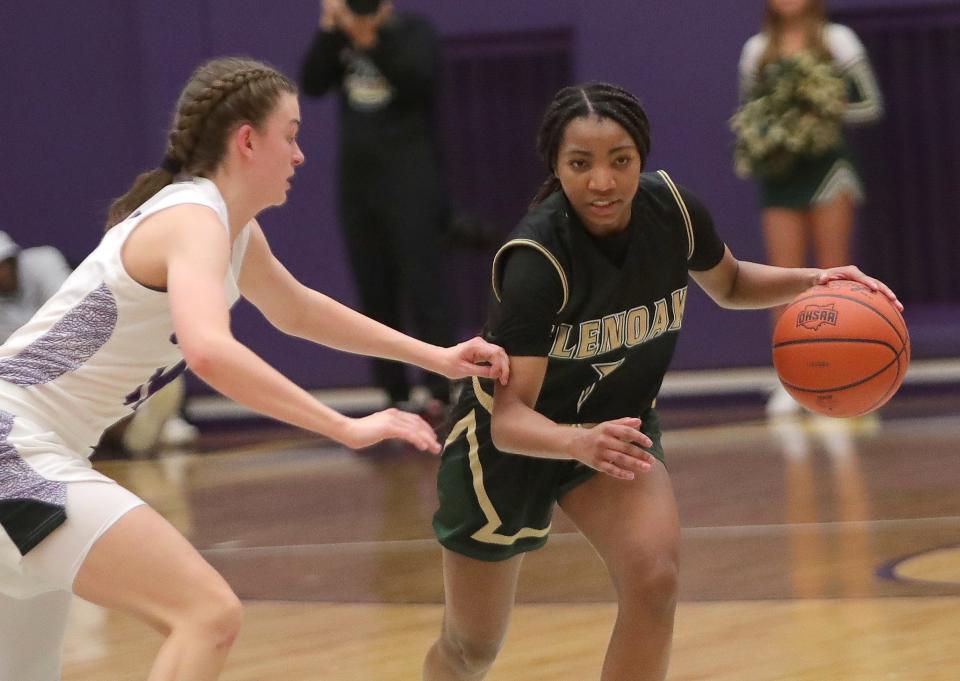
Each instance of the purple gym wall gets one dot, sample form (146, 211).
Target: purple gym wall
(88, 89)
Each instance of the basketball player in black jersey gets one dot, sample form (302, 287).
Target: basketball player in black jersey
(588, 298)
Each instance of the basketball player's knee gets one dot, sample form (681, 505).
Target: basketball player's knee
(226, 619)
(470, 654)
(648, 580)
(216, 618)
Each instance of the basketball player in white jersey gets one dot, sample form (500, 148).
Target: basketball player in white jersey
(181, 247)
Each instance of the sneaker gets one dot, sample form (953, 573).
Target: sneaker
(177, 431)
(781, 404)
(142, 434)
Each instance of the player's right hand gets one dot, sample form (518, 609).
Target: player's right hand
(474, 357)
(617, 448)
(853, 273)
(390, 423)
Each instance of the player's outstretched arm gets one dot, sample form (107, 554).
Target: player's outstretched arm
(300, 311)
(742, 284)
(739, 284)
(195, 252)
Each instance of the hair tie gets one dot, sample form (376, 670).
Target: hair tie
(171, 165)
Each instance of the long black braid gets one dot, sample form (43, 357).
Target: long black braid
(589, 99)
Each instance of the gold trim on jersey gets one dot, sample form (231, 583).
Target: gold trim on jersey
(603, 370)
(488, 533)
(532, 244)
(687, 222)
(483, 397)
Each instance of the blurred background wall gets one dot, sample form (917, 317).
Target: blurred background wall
(88, 89)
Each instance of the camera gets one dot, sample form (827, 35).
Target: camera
(362, 7)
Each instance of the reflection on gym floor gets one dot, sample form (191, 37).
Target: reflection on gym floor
(813, 549)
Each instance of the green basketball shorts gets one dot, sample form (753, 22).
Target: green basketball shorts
(494, 505)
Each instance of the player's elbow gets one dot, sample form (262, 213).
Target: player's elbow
(731, 300)
(289, 319)
(503, 430)
(725, 296)
(201, 352)
(730, 294)
(201, 362)
(500, 434)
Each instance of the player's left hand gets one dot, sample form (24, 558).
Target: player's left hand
(390, 423)
(853, 273)
(475, 357)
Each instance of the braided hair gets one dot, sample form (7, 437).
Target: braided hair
(220, 95)
(601, 100)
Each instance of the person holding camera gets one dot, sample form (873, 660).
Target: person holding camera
(384, 66)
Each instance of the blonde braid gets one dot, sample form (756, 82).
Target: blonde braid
(194, 113)
(220, 95)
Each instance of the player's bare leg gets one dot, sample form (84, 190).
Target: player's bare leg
(479, 597)
(634, 527)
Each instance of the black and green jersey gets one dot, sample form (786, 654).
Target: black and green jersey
(606, 312)
(614, 317)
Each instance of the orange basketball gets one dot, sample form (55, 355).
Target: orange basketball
(841, 349)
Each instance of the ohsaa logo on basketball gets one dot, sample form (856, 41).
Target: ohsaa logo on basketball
(814, 316)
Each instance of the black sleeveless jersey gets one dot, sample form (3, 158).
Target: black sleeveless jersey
(615, 331)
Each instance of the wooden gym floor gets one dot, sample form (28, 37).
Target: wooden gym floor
(813, 550)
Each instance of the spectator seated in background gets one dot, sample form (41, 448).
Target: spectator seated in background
(28, 277)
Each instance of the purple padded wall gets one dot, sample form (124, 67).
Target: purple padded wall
(88, 89)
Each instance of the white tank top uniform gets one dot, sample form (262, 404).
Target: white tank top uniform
(90, 356)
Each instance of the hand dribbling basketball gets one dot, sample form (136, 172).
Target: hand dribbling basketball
(842, 347)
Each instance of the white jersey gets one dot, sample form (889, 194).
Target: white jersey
(104, 342)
